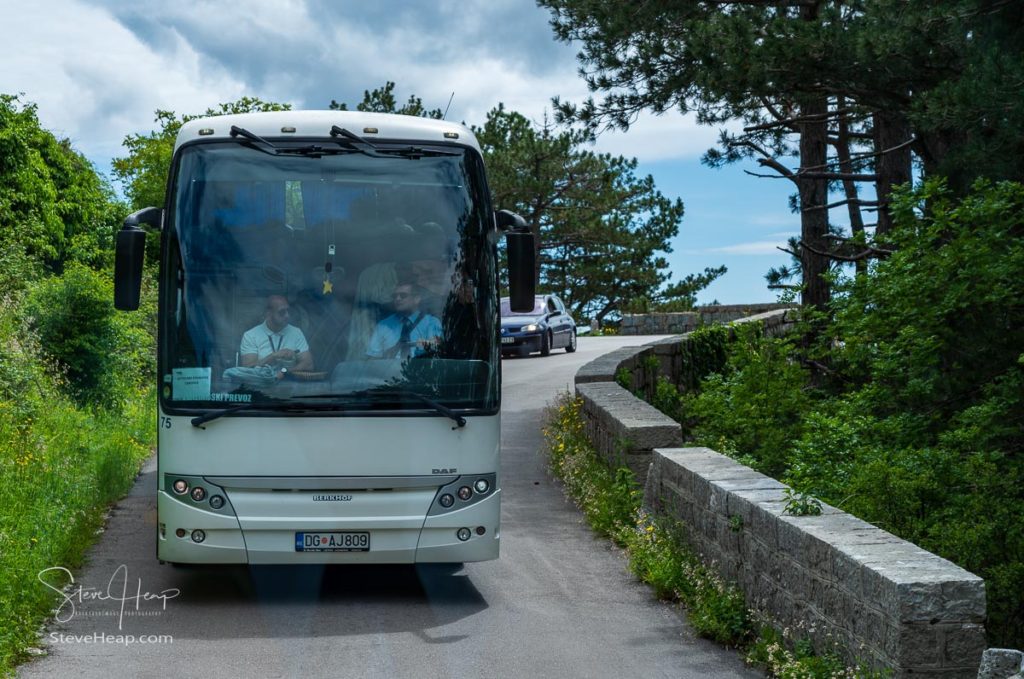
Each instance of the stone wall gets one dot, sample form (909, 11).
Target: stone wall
(839, 580)
(881, 599)
(687, 321)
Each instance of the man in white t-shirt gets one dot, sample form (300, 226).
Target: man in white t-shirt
(276, 343)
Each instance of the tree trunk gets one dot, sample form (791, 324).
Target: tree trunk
(893, 167)
(849, 186)
(814, 192)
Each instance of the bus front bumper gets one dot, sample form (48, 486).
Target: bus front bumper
(263, 526)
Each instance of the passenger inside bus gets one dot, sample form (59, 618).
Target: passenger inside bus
(408, 332)
(276, 343)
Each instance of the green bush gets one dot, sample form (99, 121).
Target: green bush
(102, 353)
(60, 466)
(913, 419)
(753, 409)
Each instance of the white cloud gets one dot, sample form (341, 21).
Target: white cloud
(761, 247)
(98, 69)
(652, 138)
(93, 80)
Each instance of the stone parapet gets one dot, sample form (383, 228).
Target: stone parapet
(677, 323)
(624, 429)
(847, 584)
(843, 582)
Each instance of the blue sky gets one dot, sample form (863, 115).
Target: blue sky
(97, 69)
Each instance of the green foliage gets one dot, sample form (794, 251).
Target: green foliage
(801, 504)
(382, 100)
(754, 408)
(704, 352)
(54, 208)
(668, 399)
(914, 420)
(101, 353)
(787, 655)
(60, 465)
(600, 227)
(608, 497)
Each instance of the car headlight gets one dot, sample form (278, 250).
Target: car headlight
(531, 328)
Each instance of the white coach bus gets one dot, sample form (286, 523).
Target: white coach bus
(329, 374)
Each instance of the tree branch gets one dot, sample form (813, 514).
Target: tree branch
(869, 252)
(796, 120)
(839, 203)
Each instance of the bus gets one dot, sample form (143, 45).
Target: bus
(328, 369)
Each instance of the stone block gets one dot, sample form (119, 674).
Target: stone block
(764, 523)
(1000, 663)
(963, 645)
(920, 646)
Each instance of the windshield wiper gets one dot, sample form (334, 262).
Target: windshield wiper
(459, 420)
(258, 142)
(363, 145)
(293, 406)
(313, 151)
(356, 142)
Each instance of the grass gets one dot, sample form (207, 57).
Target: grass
(61, 466)
(610, 499)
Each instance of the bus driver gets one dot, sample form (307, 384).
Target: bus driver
(275, 342)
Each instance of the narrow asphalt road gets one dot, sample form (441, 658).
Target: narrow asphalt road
(558, 603)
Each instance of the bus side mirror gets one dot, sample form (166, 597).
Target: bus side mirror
(521, 270)
(129, 251)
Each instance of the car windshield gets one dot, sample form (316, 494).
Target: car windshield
(538, 308)
(350, 279)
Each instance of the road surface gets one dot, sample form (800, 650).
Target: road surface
(558, 603)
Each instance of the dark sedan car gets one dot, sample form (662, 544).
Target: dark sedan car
(547, 326)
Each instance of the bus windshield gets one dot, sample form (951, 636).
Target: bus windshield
(360, 280)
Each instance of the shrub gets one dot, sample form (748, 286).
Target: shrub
(102, 353)
(753, 409)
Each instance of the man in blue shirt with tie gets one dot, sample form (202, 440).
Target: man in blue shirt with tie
(408, 332)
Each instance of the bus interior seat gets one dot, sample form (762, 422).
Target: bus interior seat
(327, 315)
(372, 303)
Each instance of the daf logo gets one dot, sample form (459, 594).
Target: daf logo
(453, 470)
(332, 498)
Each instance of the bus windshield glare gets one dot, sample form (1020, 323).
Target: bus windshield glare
(359, 282)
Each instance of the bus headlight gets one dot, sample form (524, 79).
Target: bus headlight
(463, 534)
(446, 500)
(198, 535)
(180, 486)
(465, 492)
(216, 502)
(482, 486)
(198, 493)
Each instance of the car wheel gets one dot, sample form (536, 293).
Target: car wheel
(571, 347)
(545, 344)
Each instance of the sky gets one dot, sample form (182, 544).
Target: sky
(98, 69)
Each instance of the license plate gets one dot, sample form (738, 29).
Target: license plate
(508, 340)
(332, 542)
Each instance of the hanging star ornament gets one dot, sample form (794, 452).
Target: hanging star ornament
(328, 286)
